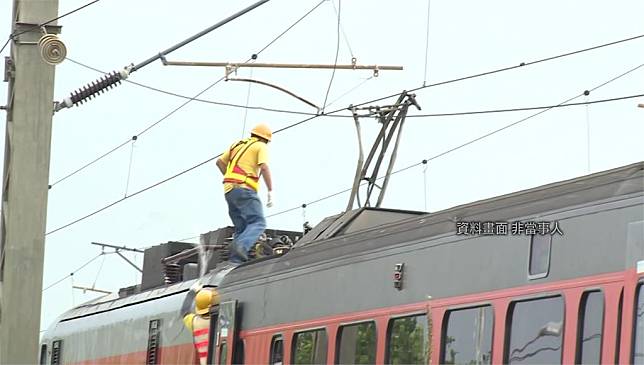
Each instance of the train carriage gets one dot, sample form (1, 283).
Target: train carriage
(548, 275)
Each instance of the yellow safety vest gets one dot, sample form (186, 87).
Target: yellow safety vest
(234, 173)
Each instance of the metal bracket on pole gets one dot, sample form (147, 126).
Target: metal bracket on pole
(84, 289)
(392, 118)
(114, 78)
(231, 67)
(118, 249)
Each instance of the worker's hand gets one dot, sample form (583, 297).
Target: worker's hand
(196, 286)
(269, 199)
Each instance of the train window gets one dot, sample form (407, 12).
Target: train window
(223, 353)
(357, 344)
(535, 331)
(154, 336)
(539, 256)
(618, 338)
(408, 340)
(277, 350)
(467, 336)
(56, 352)
(310, 347)
(43, 355)
(638, 336)
(589, 333)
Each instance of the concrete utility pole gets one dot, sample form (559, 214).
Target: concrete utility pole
(25, 182)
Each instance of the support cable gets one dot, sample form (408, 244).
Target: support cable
(278, 131)
(425, 161)
(344, 34)
(254, 56)
(331, 114)
(100, 268)
(129, 168)
(75, 271)
(337, 52)
(213, 102)
(347, 93)
(508, 68)
(429, 2)
(247, 101)
(587, 92)
(35, 27)
(71, 279)
(587, 135)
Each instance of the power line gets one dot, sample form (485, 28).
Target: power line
(492, 111)
(11, 36)
(77, 270)
(170, 93)
(254, 56)
(503, 69)
(278, 131)
(331, 114)
(313, 117)
(429, 3)
(344, 34)
(337, 52)
(425, 161)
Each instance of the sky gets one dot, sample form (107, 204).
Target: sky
(318, 158)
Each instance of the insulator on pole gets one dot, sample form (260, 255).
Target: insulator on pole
(93, 89)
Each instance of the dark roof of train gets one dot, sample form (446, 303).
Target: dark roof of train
(551, 197)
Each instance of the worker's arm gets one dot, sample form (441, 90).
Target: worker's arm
(265, 173)
(222, 166)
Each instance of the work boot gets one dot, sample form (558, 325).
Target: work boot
(238, 252)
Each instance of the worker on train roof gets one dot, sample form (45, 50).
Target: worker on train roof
(242, 165)
(199, 321)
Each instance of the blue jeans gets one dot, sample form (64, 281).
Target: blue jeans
(245, 210)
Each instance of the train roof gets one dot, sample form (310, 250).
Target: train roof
(330, 243)
(347, 235)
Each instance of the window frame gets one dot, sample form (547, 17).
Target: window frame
(338, 336)
(390, 320)
(445, 319)
(639, 289)
(42, 360)
(274, 339)
(312, 329)
(580, 323)
(547, 272)
(508, 322)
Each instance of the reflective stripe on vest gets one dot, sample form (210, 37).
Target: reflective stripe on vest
(235, 174)
(200, 337)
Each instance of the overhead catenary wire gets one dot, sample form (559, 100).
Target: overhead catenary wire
(332, 114)
(218, 155)
(493, 132)
(75, 271)
(12, 35)
(213, 102)
(166, 116)
(306, 120)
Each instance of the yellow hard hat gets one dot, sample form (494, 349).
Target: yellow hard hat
(262, 130)
(202, 301)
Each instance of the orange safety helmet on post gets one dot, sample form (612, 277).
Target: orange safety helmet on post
(263, 131)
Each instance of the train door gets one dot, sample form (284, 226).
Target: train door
(226, 347)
